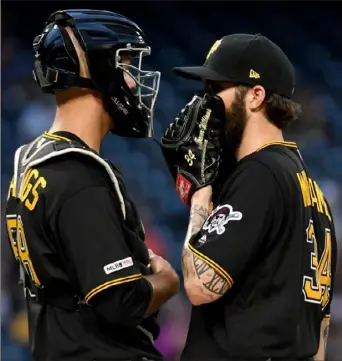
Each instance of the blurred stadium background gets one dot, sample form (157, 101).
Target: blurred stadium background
(180, 34)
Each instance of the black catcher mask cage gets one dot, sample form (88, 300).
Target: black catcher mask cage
(106, 38)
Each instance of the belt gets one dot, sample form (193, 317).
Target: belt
(66, 302)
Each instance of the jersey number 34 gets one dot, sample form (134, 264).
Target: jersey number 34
(316, 288)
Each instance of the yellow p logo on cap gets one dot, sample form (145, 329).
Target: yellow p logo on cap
(213, 48)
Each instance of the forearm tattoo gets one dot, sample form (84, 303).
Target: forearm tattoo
(186, 263)
(210, 279)
(192, 265)
(198, 215)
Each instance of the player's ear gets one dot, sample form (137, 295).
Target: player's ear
(84, 71)
(255, 98)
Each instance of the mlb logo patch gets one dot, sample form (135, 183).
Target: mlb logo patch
(118, 265)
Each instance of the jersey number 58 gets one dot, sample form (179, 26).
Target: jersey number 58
(316, 288)
(16, 233)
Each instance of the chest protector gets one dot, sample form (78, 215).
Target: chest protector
(42, 150)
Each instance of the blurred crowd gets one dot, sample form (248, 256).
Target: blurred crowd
(179, 34)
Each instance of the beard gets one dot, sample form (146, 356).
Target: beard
(236, 122)
(236, 119)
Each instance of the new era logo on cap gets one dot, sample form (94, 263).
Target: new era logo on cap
(254, 74)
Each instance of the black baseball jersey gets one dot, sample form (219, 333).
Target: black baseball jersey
(76, 234)
(271, 237)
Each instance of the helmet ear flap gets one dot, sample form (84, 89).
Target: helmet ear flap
(49, 66)
(40, 79)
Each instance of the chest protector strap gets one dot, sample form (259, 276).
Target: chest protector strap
(42, 150)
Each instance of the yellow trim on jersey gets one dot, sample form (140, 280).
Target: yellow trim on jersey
(287, 144)
(217, 268)
(111, 283)
(55, 136)
(326, 317)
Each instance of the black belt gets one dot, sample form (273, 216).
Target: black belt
(65, 302)
(68, 303)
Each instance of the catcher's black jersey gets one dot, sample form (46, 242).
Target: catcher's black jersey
(67, 229)
(270, 236)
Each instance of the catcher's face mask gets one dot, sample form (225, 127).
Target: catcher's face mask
(143, 83)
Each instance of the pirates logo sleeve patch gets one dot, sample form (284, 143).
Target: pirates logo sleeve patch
(219, 217)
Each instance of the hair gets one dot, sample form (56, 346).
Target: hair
(279, 110)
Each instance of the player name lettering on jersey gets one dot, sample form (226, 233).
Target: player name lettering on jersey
(32, 185)
(118, 265)
(312, 194)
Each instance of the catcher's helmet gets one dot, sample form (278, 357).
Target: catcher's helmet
(104, 36)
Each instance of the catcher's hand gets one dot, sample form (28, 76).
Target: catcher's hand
(192, 144)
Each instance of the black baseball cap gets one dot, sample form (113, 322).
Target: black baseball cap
(250, 59)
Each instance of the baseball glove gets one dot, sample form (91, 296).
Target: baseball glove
(191, 145)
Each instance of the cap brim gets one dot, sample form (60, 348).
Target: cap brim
(199, 73)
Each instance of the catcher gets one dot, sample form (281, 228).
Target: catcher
(92, 288)
(259, 267)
